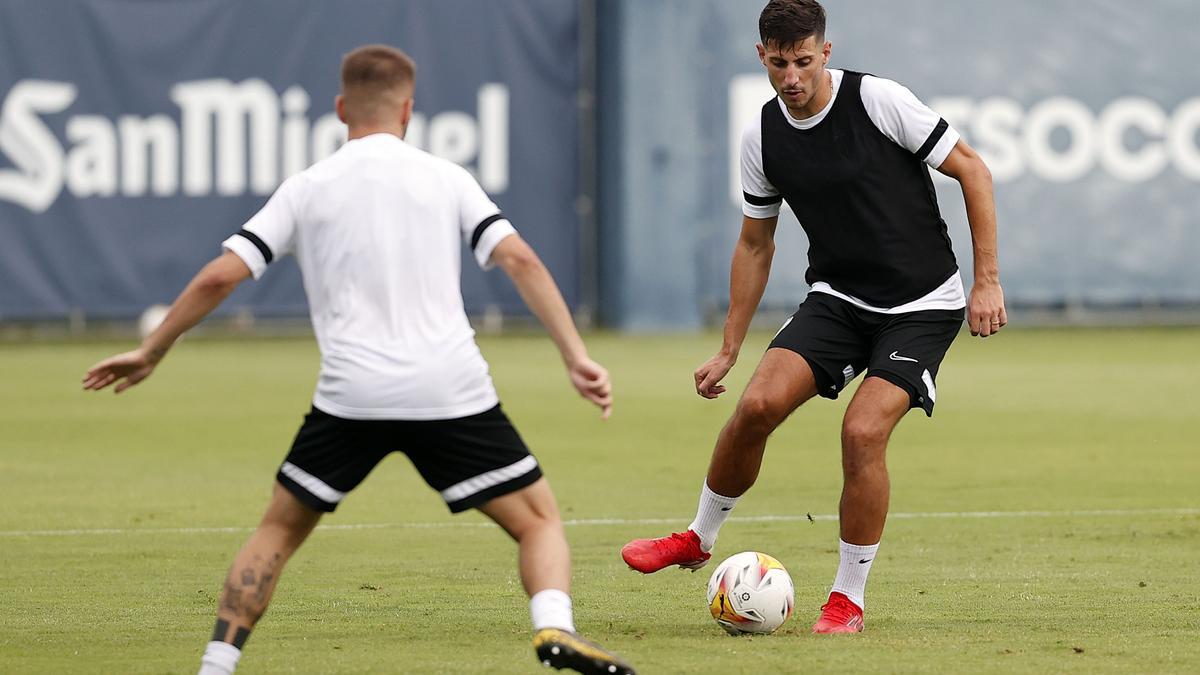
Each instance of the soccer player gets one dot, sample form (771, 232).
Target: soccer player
(849, 153)
(377, 229)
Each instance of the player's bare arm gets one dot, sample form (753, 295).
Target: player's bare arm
(206, 291)
(748, 275)
(985, 307)
(537, 288)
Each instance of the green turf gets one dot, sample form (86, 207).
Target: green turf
(1041, 421)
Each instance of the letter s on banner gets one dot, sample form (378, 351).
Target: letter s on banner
(30, 145)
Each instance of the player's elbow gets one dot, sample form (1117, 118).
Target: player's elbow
(218, 278)
(980, 172)
(516, 257)
(967, 167)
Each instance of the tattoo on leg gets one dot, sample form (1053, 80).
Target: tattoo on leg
(264, 580)
(231, 599)
(246, 594)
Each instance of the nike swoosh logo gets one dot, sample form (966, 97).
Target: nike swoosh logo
(865, 560)
(726, 508)
(896, 357)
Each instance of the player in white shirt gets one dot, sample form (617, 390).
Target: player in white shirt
(378, 229)
(851, 154)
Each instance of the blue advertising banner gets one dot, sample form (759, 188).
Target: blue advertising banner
(135, 136)
(1088, 115)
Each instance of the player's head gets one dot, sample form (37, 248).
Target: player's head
(793, 48)
(377, 88)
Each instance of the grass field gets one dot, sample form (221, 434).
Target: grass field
(1046, 520)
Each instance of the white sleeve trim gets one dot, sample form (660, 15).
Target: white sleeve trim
(943, 148)
(760, 212)
(754, 179)
(488, 241)
(248, 252)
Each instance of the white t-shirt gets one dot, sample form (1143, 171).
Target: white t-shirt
(378, 230)
(901, 117)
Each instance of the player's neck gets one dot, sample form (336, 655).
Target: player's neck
(360, 131)
(817, 103)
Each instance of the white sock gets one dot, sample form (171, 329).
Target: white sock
(710, 516)
(851, 580)
(220, 658)
(551, 608)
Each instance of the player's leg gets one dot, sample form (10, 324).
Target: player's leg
(530, 516)
(781, 383)
(877, 407)
(481, 462)
(329, 457)
(907, 351)
(252, 577)
(818, 351)
(872, 415)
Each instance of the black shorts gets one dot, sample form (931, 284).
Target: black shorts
(469, 460)
(839, 341)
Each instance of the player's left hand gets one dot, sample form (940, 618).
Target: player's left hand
(130, 368)
(592, 382)
(985, 309)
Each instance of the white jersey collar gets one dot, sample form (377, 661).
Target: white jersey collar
(835, 75)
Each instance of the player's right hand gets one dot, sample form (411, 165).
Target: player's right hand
(592, 382)
(130, 368)
(711, 372)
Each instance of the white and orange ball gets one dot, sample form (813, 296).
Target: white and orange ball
(751, 592)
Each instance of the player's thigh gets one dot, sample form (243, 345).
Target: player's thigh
(782, 382)
(330, 457)
(470, 460)
(828, 335)
(908, 352)
(876, 409)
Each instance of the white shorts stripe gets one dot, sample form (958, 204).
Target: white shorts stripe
(319, 488)
(483, 481)
(928, 380)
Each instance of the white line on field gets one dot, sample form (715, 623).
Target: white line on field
(582, 522)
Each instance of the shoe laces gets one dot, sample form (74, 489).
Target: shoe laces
(676, 542)
(839, 609)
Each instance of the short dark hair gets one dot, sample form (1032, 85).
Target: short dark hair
(785, 23)
(376, 74)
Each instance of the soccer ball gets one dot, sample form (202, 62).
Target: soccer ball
(750, 593)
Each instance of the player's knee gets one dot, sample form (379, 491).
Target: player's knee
(287, 533)
(757, 414)
(863, 436)
(536, 525)
(531, 511)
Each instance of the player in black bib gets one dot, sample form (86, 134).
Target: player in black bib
(850, 154)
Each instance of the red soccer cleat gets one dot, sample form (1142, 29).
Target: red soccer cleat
(839, 615)
(651, 555)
